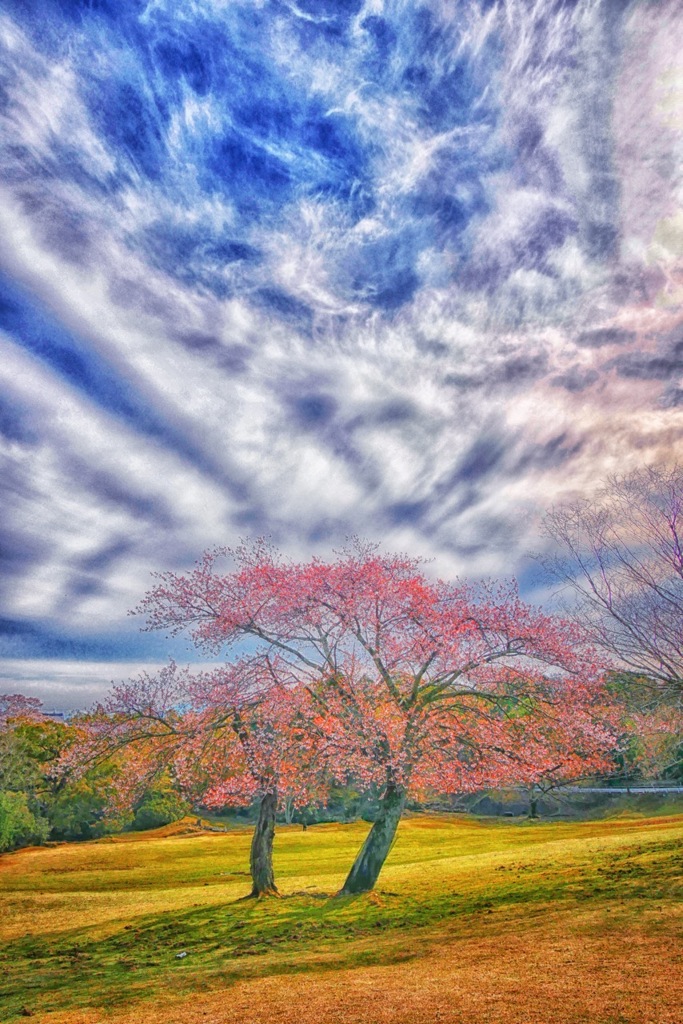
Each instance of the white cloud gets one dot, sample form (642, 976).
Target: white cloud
(72, 685)
(442, 357)
(86, 484)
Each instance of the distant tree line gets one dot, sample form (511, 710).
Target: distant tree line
(38, 803)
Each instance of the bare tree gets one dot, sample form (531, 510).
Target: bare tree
(621, 555)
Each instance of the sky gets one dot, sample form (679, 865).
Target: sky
(317, 268)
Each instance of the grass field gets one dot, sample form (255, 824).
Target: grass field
(474, 921)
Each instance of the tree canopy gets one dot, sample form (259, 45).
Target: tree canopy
(410, 682)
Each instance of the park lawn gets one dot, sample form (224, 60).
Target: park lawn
(473, 921)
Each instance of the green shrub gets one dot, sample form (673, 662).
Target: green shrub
(19, 826)
(78, 812)
(158, 808)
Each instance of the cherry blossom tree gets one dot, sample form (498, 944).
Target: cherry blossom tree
(251, 740)
(416, 682)
(15, 710)
(234, 734)
(15, 707)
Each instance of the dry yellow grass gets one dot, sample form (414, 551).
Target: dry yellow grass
(49, 889)
(568, 969)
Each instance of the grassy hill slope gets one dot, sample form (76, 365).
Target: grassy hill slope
(474, 921)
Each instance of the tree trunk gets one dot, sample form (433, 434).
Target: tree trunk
(261, 858)
(532, 802)
(375, 849)
(289, 810)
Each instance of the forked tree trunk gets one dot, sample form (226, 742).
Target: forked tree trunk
(375, 849)
(261, 857)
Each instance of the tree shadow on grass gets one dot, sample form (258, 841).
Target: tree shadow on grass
(175, 950)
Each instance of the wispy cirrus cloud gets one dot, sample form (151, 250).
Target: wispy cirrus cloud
(410, 270)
